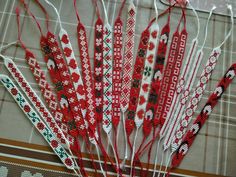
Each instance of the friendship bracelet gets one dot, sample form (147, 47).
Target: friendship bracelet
(108, 83)
(146, 81)
(147, 75)
(184, 86)
(55, 76)
(203, 116)
(169, 81)
(64, 88)
(89, 84)
(71, 97)
(117, 75)
(204, 78)
(136, 80)
(117, 68)
(73, 67)
(107, 78)
(37, 122)
(98, 67)
(127, 67)
(44, 87)
(87, 76)
(198, 91)
(152, 103)
(128, 56)
(156, 80)
(64, 82)
(37, 103)
(172, 72)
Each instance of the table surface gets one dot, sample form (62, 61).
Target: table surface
(214, 149)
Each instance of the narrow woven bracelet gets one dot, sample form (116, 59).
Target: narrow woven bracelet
(37, 122)
(184, 86)
(136, 80)
(204, 78)
(128, 56)
(117, 68)
(73, 66)
(98, 65)
(108, 82)
(203, 116)
(152, 102)
(146, 81)
(37, 103)
(60, 77)
(89, 88)
(60, 90)
(69, 100)
(172, 71)
(117, 75)
(127, 71)
(156, 80)
(87, 78)
(185, 119)
(107, 78)
(147, 75)
(139, 152)
(63, 75)
(98, 76)
(135, 87)
(169, 81)
(65, 81)
(55, 74)
(44, 86)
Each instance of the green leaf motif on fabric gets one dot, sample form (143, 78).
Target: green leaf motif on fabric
(7, 82)
(59, 86)
(33, 117)
(20, 99)
(141, 53)
(60, 152)
(147, 71)
(47, 134)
